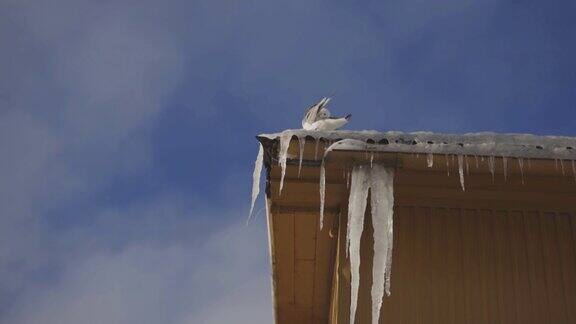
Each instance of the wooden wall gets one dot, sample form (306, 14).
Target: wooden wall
(468, 265)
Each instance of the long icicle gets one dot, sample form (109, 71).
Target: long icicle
(301, 145)
(256, 179)
(322, 192)
(382, 208)
(491, 165)
(461, 171)
(282, 156)
(323, 182)
(356, 209)
(521, 167)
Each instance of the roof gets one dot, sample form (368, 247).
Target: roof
(484, 144)
(304, 257)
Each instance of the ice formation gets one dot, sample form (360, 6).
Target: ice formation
(348, 177)
(521, 167)
(356, 209)
(301, 145)
(556, 164)
(382, 205)
(256, 178)
(283, 155)
(323, 184)
(461, 171)
(379, 180)
(322, 192)
(491, 165)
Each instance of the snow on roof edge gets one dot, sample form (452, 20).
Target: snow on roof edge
(485, 143)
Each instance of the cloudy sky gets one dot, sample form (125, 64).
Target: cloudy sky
(127, 131)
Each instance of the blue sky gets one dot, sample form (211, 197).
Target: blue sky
(127, 131)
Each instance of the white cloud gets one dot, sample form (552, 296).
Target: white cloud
(222, 275)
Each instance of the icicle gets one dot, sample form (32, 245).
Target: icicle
(574, 170)
(562, 167)
(356, 209)
(467, 165)
(476, 158)
(316, 148)
(447, 165)
(556, 164)
(505, 167)
(461, 170)
(482, 158)
(521, 166)
(382, 207)
(256, 179)
(348, 179)
(282, 155)
(379, 180)
(371, 158)
(417, 155)
(322, 192)
(301, 144)
(529, 164)
(491, 165)
(327, 149)
(430, 159)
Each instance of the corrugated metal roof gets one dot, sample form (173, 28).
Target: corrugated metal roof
(485, 144)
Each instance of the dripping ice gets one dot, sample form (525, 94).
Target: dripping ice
(521, 167)
(461, 171)
(323, 183)
(379, 181)
(322, 192)
(283, 155)
(356, 209)
(430, 160)
(382, 206)
(301, 145)
(256, 178)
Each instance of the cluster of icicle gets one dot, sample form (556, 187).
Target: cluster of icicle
(373, 178)
(482, 145)
(378, 180)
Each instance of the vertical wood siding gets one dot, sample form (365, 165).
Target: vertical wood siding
(465, 265)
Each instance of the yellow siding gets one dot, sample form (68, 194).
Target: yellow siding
(466, 265)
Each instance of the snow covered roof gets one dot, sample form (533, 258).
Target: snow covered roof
(486, 144)
(308, 185)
